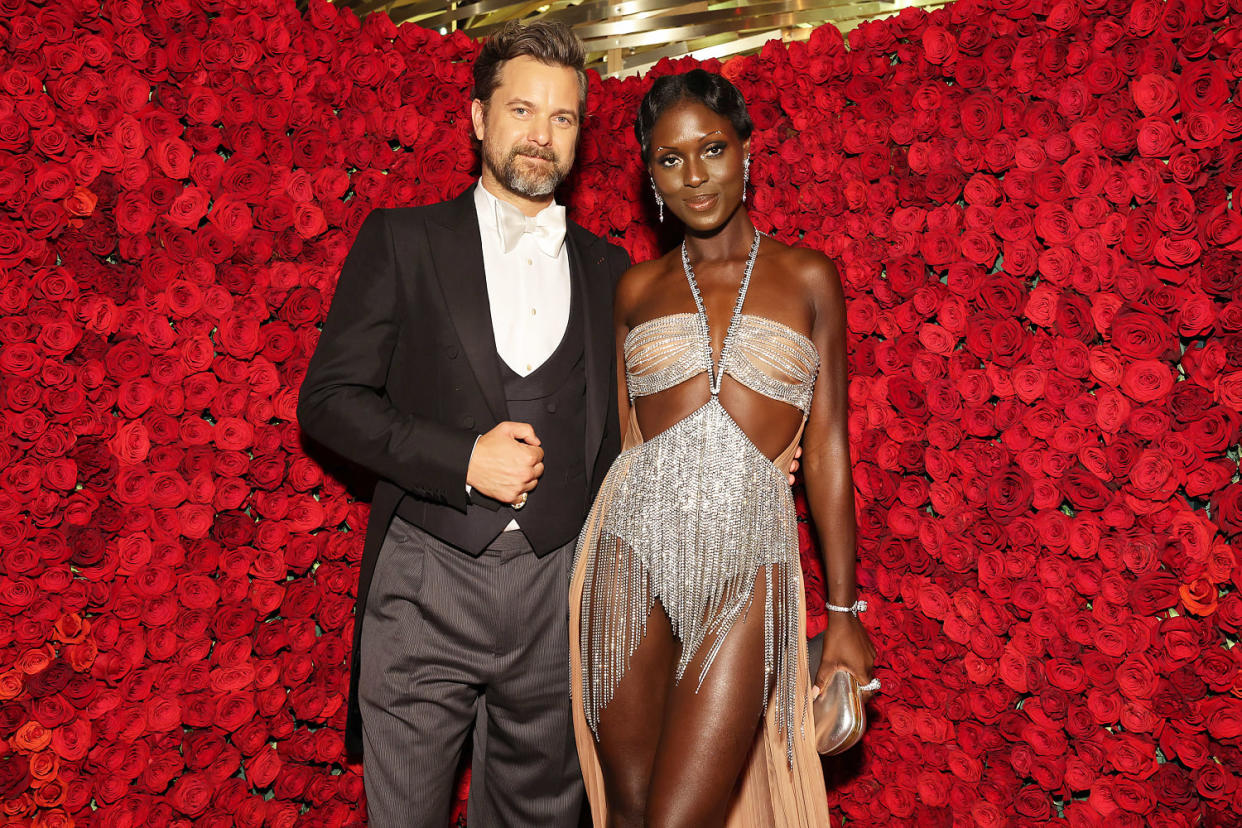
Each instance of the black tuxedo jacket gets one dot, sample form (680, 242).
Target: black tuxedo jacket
(406, 375)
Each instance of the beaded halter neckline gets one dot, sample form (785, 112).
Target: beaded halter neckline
(716, 371)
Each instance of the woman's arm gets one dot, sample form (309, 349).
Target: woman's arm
(621, 328)
(827, 476)
(631, 288)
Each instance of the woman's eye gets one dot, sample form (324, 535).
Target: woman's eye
(714, 150)
(668, 161)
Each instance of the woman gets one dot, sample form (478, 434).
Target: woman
(692, 697)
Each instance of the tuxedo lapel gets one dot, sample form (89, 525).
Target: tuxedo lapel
(589, 271)
(457, 256)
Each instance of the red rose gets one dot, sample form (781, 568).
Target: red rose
(1202, 86)
(1132, 755)
(1147, 380)
(1224, 721)
(1136, 677)
(1213, 783)
(1228, 390)
(1196, 316)
(1066, 676)
(15, 775)
(1175, 209)
(1154, 94)
(1133, 796)
(1009, 494)
(1219, 274)
(1144, 16)
(1156, 136)
(188, 207)
(1084, 489)
(1153, 476)
(1204, 130)
(239, 336)
(939, 46)
(231, 217)
(72, 740)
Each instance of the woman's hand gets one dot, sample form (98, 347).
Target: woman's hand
(846, 646)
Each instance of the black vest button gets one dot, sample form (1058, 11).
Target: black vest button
(467, 421)
(551, 408)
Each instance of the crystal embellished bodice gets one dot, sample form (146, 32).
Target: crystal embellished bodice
(767, 357)
(697, 517)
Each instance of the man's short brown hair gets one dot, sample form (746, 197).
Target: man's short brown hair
(546, 41)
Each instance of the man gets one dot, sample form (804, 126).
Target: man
(467, 359)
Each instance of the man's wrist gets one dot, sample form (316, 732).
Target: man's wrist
(470, 488)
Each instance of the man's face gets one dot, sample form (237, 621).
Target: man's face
(530, 126)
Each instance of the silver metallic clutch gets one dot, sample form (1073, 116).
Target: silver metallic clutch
(840, 715)
(840, 718)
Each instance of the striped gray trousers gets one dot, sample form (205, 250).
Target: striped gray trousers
(451, 642)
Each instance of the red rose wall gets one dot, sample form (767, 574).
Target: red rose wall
(1033, 209)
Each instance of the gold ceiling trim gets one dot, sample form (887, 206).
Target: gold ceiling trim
(629, 37)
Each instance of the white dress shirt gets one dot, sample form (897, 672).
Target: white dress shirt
(527, 289)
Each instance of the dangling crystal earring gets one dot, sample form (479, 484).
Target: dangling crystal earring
(745, 176)
(659, 200)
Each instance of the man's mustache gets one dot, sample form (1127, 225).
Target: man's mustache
(541, 153)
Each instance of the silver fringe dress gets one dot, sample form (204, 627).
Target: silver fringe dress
(691, 516)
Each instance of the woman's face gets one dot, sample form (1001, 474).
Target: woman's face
(696, 162)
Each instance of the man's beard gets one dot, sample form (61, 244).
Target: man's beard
(524, 178)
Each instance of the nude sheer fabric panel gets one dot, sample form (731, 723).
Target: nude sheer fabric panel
(633, 434)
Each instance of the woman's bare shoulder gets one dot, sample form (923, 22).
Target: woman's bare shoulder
(810, 269)
(638, 282)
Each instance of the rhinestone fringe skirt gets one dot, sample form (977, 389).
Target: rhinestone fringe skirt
(693, 517)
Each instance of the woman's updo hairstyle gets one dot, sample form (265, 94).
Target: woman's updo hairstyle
(711, 90)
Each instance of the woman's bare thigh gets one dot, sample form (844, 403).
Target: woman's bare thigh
(631, 723)
(709, 730)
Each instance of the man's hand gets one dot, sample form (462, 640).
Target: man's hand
(507, 461)
(793, 465)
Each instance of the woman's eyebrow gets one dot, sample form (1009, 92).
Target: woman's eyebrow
(713, 132)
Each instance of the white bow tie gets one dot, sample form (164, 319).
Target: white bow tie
(548, 227)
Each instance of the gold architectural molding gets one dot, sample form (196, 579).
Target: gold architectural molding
(628, 37)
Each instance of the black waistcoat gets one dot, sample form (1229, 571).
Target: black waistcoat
(552, 399)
